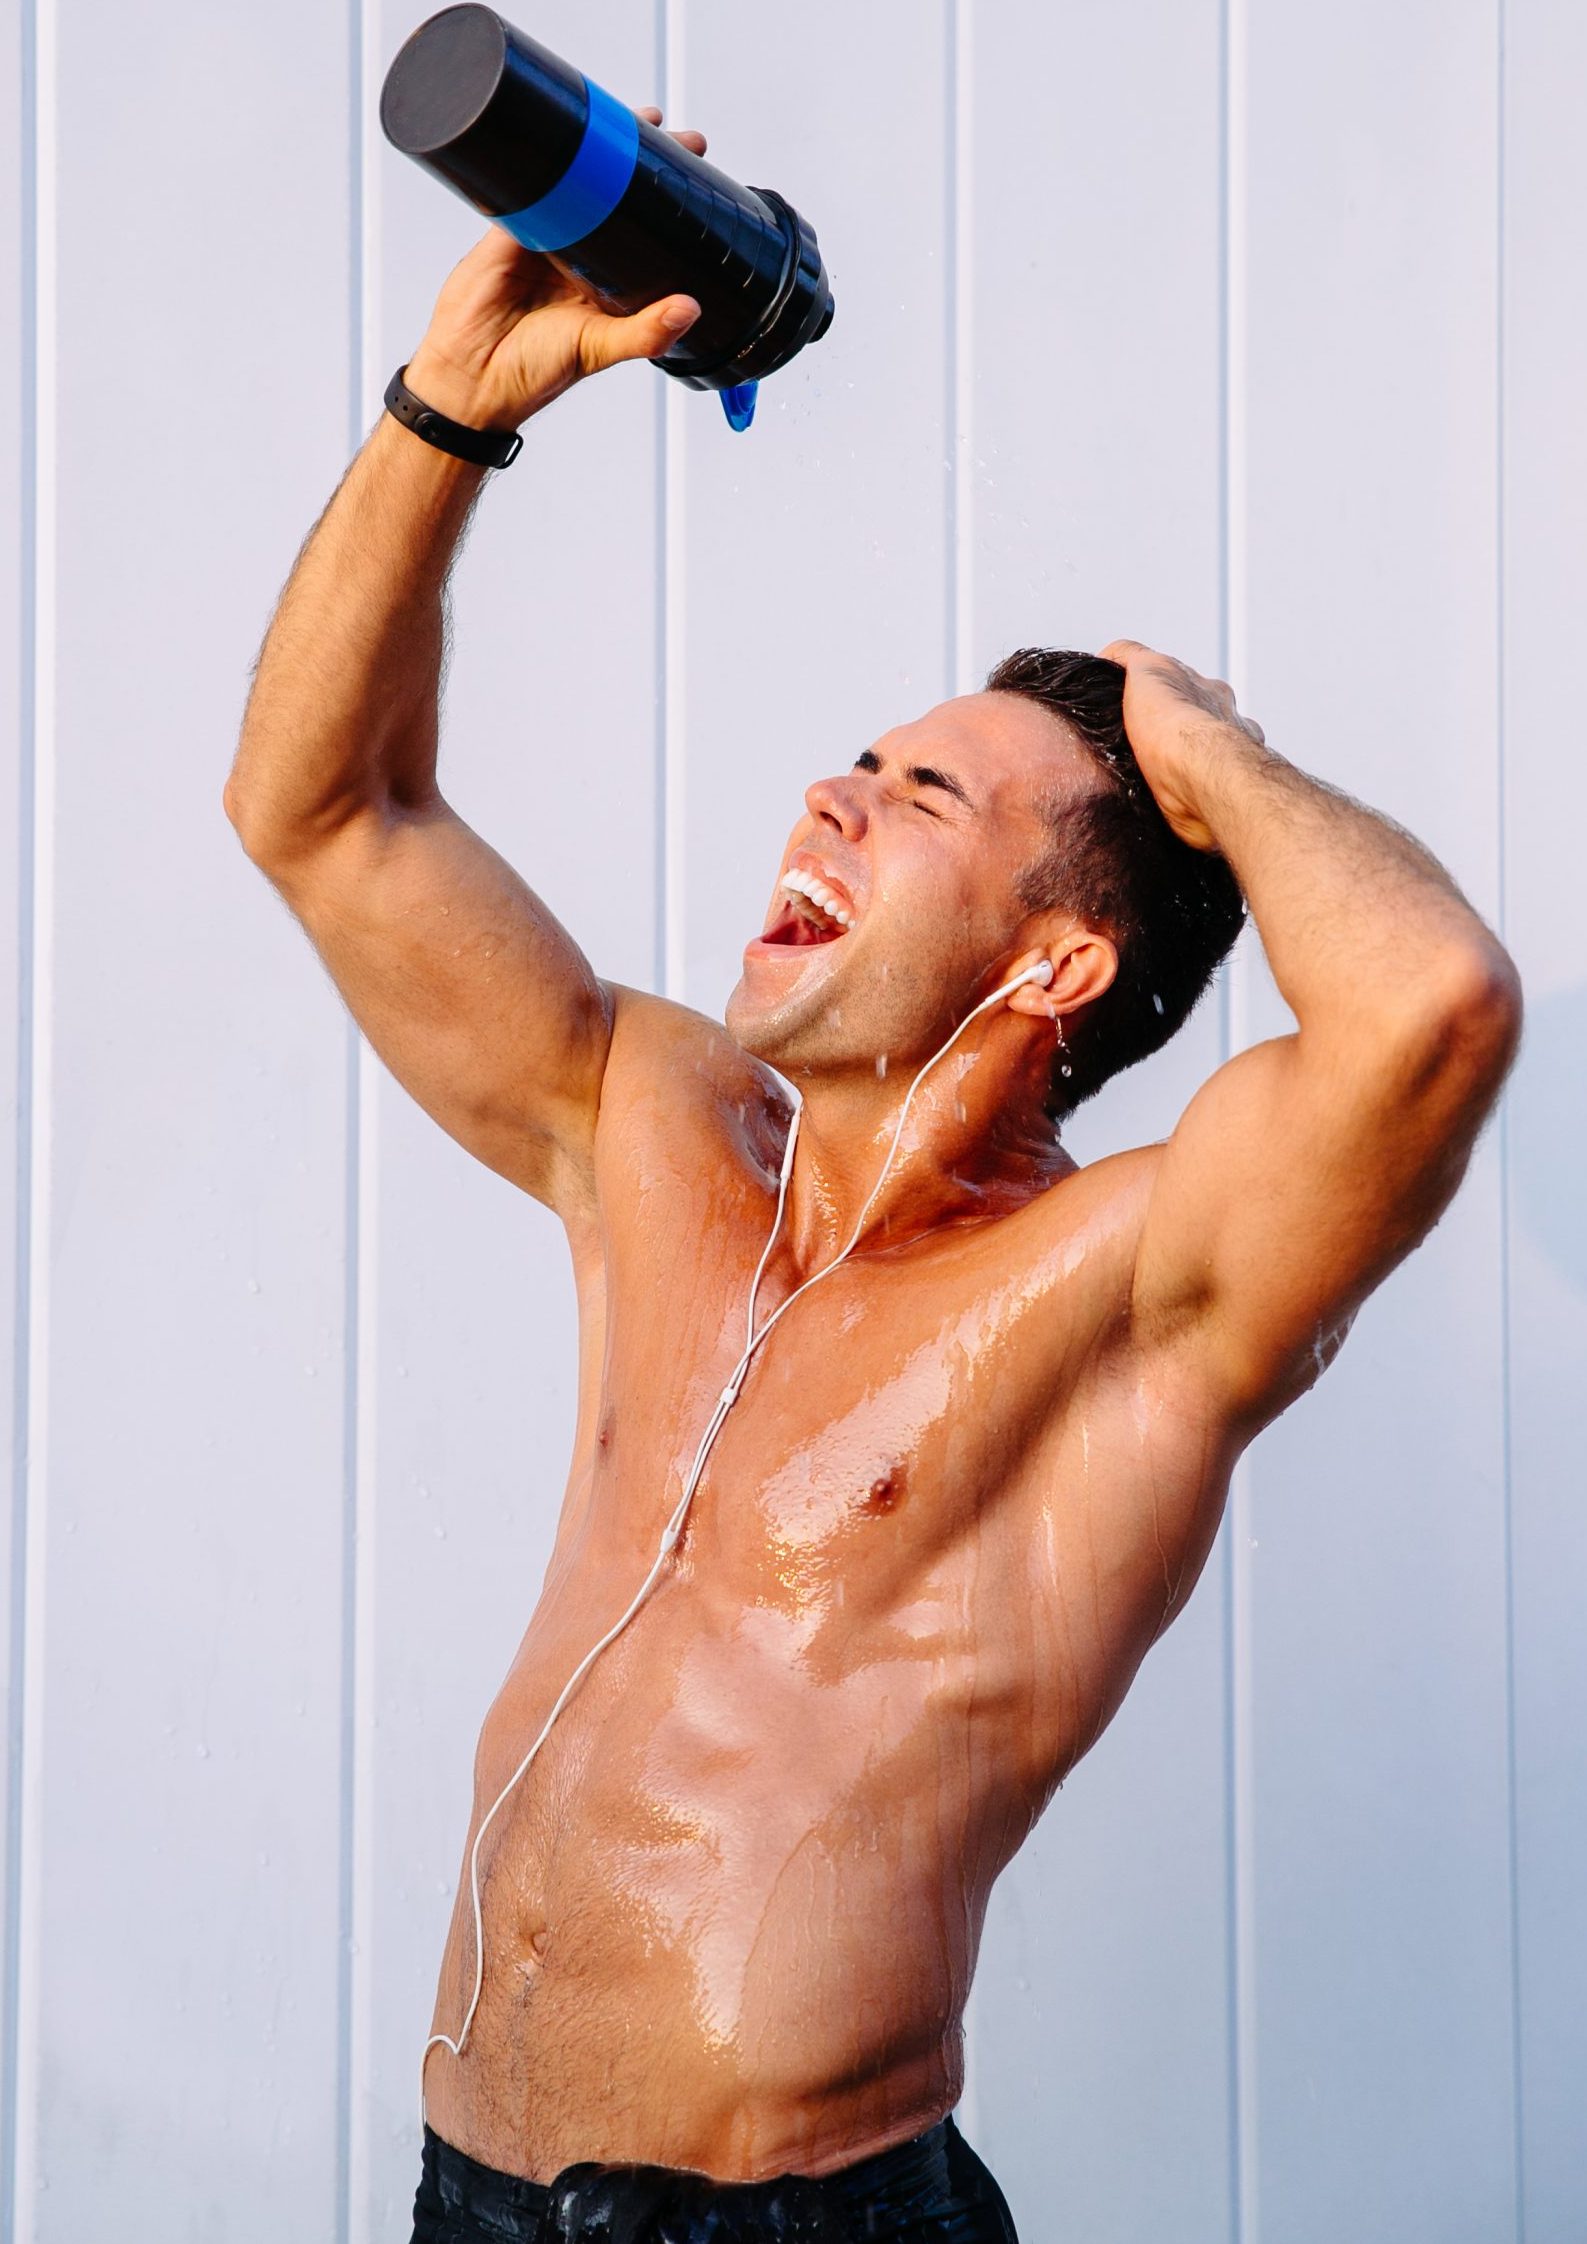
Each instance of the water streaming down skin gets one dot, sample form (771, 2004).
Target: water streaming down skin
(732, 1799)
(897, 1615)
(822, 1829)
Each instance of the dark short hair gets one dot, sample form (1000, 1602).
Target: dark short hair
(1113, 860)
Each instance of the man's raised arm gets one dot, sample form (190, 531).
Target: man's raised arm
(1308, 1166)
(477, 1000)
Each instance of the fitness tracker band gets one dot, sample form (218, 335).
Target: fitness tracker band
(486, 448)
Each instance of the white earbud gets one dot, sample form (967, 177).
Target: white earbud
(1041, 972)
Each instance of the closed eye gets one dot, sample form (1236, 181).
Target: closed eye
(919, 775)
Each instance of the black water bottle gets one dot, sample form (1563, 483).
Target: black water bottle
(574, 174)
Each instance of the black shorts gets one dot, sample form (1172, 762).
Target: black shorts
(933, 2190)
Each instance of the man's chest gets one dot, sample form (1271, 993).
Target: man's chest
(966, 1407)
(914, 1397)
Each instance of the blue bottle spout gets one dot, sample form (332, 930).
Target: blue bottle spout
(738, 404)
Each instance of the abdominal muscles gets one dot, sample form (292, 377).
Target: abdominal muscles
(731, 1912)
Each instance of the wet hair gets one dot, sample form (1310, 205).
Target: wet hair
(1113, 860)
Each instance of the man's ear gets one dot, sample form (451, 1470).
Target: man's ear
(1084, 964)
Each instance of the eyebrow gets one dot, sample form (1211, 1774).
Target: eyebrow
(918, 775)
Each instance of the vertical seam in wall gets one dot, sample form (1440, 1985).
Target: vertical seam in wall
(347, 1769)
(674, 961)
(960, 349)
(950, 371)
(1225, 1051)
(40, 851)
(360, 1242)
(1238, 1588)
(955, 516)
(658, 970)
(361, 2221)
(26, 712)
(348, 1727)
(1501, 556)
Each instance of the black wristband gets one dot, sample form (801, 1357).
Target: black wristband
(486, 448)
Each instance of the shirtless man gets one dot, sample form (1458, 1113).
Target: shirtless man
(730, 1913)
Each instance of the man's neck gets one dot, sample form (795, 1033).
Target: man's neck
(977, 1144)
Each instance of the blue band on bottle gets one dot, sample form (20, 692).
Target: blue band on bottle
(593, 184)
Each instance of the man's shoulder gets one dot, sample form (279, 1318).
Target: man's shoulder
(672, 1066)
(1088, 1226)
(1111, 1192)
(1075, 1242)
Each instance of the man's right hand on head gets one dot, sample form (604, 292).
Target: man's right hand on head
(510, 332)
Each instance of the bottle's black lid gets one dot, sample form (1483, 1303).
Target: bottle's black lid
(485, 107)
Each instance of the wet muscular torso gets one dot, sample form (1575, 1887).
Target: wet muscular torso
(732, 1910)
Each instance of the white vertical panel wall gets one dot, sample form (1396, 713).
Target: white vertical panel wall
(176, 1775)
(1254, 330)
(1543, 589)
(16, 820)
(1089, 334)
(1378, 1916)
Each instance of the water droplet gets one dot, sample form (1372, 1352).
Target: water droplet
(881, 1065)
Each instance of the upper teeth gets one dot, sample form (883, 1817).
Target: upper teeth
(805, 884)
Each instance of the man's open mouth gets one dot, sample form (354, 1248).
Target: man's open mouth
(810, 913)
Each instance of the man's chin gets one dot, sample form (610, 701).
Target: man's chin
(751, 1023)
(781, 994)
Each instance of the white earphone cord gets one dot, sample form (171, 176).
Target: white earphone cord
(674, 1526)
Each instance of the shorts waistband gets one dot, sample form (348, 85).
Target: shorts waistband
(509, 2205)
(894, 2186)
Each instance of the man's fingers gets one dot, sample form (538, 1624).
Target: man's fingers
(608, 342)
(693, 141)
(495, 255)
(1214, 696)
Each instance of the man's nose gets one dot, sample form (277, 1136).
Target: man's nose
(838, 803)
